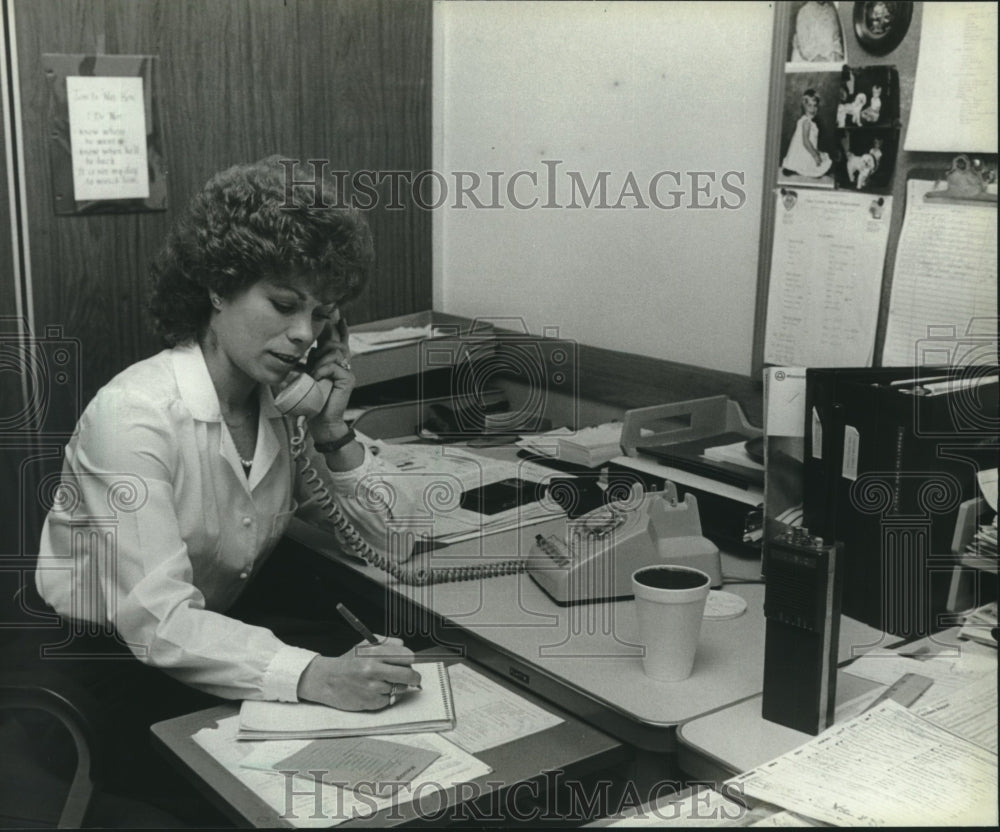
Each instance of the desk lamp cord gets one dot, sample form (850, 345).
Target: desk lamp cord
(411, 574)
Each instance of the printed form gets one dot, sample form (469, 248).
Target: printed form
(826, 277)
(489, 714)
(298, 803)
(887, 767)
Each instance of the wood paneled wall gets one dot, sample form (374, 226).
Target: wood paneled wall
(342, 80)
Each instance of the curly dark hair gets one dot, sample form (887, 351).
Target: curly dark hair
(253, 222)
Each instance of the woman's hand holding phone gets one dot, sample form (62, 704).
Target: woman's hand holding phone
(331, 360)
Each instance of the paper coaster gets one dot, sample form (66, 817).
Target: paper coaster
(722, 605)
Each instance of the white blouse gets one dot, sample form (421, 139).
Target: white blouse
(156, 528)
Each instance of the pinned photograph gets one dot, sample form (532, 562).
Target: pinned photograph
(880, 26)
(808, 129)
(867, 160)
(868, 97)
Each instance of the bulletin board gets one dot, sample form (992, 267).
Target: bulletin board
(859, 72)
(107, 105)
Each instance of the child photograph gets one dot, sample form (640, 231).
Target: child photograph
(808, 129)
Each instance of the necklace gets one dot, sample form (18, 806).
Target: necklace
(243, 427)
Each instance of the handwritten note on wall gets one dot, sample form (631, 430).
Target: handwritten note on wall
(955, 94)
(108, 138)
(944, 286)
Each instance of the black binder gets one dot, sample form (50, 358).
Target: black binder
(824, 436)
(896, 466)
(823, 463)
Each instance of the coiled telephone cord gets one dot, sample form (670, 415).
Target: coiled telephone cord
(410, 574)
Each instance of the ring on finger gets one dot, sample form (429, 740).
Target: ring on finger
(343, 363)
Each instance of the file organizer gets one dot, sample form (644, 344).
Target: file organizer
(676, 434)
(887, 469)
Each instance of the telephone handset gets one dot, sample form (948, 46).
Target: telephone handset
(601, 550)
(304, 398)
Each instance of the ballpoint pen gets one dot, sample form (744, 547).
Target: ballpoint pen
(357, 624)
(367, 634)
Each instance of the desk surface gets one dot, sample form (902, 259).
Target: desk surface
(571, 748)
(586, 658)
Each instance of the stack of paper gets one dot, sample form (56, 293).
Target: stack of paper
(589, 447)
(885, 767)
(362, 342)
(328, 805)
(735, 454)
(418, 711)
(981, 625)
(984, 544)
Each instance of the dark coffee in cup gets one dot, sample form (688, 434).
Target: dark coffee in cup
(666, 577)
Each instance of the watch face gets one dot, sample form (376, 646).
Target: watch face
(880, 26)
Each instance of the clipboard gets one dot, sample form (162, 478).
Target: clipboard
(967, 181)
(934, 314)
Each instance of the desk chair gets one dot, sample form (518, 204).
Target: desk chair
(44, 703)
(27, 787)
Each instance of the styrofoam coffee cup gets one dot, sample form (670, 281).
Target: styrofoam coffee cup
(670, 603)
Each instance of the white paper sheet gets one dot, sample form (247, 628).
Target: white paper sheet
(107, 129)
(955, 93)
(944, 283)
(296, 800)
(826, 278)
(988, 486)
(970, 711)
(784, 820)
(950, 672)
(702, 808)
(362, 342)
(489, 714)
(885, 767)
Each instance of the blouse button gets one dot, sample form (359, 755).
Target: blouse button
(244, 575)
(247, 521)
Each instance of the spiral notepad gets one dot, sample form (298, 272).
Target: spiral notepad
(429, 709)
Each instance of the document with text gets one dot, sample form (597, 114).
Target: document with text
(955, 93)
(490, 714)
(318, 804)
(826, 277)
(943, 305)
(886, 767)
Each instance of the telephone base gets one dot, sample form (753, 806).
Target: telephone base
(557, 593)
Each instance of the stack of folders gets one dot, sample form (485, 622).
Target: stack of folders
(890, 453)
(589, 447)
(429, 709)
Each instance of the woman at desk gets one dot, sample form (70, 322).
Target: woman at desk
(189, 450)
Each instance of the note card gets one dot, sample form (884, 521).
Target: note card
(362, 764)
(107, 137)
